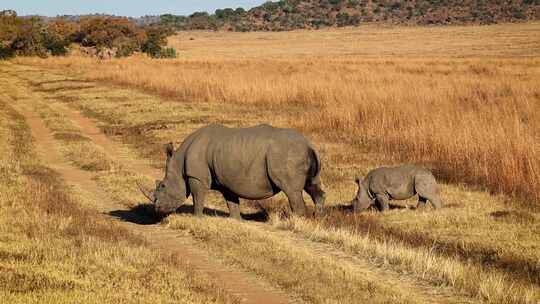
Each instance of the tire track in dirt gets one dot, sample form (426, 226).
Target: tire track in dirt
(247, 286)
(90, 130)
(407, 284)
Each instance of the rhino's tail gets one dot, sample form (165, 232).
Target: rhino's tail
(314, 173)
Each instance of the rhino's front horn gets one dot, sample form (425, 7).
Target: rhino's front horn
(148, 196)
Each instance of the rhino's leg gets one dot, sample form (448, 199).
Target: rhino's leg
(421, 203)
(317, 195)
(199, 191)
(233, 202)
(296, 201)
(288, 177)
(382, 202)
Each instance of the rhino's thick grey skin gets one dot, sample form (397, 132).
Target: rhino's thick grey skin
(252, 163)
(399, 183)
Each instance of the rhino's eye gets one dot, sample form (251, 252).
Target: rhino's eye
(162, 186)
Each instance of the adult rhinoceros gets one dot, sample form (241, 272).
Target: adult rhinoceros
(251, 163)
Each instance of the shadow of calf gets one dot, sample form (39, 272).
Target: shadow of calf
(346, 209)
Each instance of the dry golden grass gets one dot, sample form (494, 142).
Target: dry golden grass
(464, 103)
(53, 250)
(461, 100)
(311, 276)
(460, 246)
(76, 147)
(113, 178)
(371, 41)
(424, 262)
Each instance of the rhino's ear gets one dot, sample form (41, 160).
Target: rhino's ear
(169, 150)
(357, 179)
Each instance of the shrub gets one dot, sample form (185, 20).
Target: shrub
(168, 53)
(162, 53)
(124, 50)
(153, 51)
(157, 39)
(55, 44)
(30, 39)
(6, 52)
(9, 24)
(33, 37)
(224, 13)
(517, 13)
(125, 47)
(342, 19)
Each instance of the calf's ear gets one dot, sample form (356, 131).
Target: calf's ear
(357, 179)
(169, 150)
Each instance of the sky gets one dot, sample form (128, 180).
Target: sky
(134, 8)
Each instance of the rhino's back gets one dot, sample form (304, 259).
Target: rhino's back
(397, 182)
(239, 157)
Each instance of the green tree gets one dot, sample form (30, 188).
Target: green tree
(157, 39)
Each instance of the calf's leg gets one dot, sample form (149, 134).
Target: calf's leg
(382, 201)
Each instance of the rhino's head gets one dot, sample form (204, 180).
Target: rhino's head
(172, 191)
(362, 200)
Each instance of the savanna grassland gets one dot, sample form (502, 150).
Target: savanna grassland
(462, 101)
(54, 248)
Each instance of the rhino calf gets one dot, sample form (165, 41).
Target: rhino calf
(399, 183)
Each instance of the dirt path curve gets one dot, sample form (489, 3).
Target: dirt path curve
(90, 129)
(244, 285)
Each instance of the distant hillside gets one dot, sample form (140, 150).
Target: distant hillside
(312, 14)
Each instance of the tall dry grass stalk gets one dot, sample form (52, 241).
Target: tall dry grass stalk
(473, 120)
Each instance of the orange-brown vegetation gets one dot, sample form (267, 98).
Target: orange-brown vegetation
(465, 103)
(56, 249)
(461, 100)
